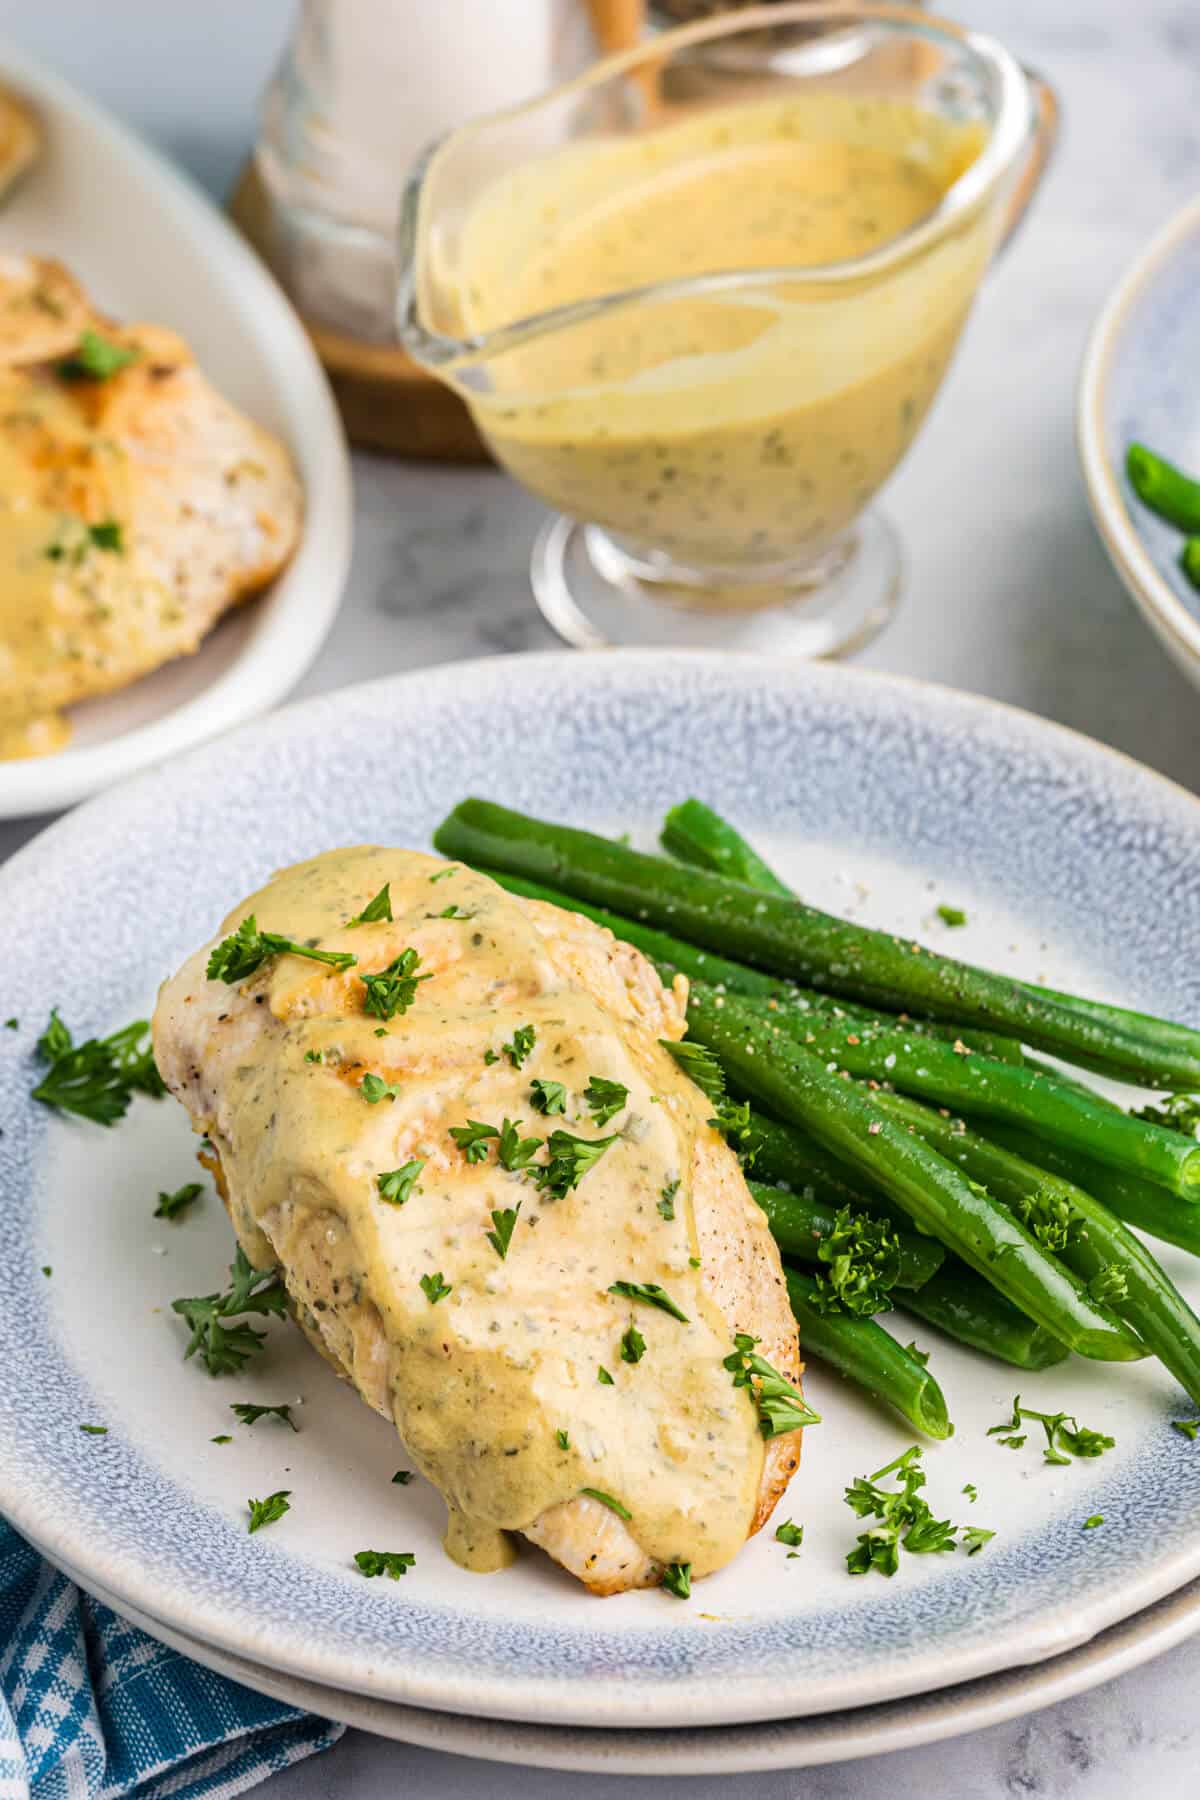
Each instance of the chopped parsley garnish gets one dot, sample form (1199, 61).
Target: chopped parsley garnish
(107, 535)
(96, 358)
(677, 1579)
(472, 1139)
(392, 990)
(570, 1158)
(12, 1024)
(247, 949)
(95, 1430)
(515, 1152)
(402, 1477)
(952, 915)
(790, 1534)
(666, 1204)
(250, 1415)
(698, 1062)
(633, 1345)
(1091, 1524)
(442, 873)
(46, 1269)
(862, 1255)
(1178, 1112)
(265, 1512)
(171, 1206)
(395, 1185)
(223, 1348)
(971, 1491)
(455, 912)
(622, 1512)
(604, 1098)
(905, 1519)
(781, 1407)
(314, 1056)
(375, 910)
(504, 1224)
(523, 1040)
(222, 1437)
(490, 1057)
(562, 1439)
(1186, 1427)
(434, 1288)
(603, 1376)
(374, 1088)
(548, 1097)
(392, 1563)
(98, 1078)
(651, 1294)
(1063, 1432)
(1108, 1285)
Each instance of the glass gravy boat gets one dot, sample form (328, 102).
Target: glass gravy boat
(700, 300)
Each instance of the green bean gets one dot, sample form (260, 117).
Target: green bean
(1060, 1110)
(798, 1225)
(1140, 1203)
(790, 1081)
(872, 1359)
(700, 837)
(1095, 1241)
(957, 1302)
(671, 955)
(784, 936)
(1189, 560)
(1162, 487)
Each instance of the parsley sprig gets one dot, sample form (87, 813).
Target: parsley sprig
(781, 1407)
(515, 1152)
(520, 1046)
(265, 1512)
(547, 1097)
(472, 1139)
(700, 1065)
(96, 358)
(905, 1519)
(504, 1224)
(568, 1161)
(651, 1294)
(391, 991)
(245, 951)
(395, 1185)
(98, 1078)
(222, 1347)
(1065, 1437)
(250, 1414)
(435, 1288)
(171, 1206)
(862, 1256)
(377, 909)
(677, 1580)
(604, 1099)
(392, 1563)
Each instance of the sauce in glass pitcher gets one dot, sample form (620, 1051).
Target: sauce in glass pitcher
(729, 428)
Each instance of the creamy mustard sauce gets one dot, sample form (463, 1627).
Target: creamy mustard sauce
(729, 429)
(481, 1382)
(61, 596)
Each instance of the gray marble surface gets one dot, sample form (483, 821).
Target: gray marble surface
(1009, 595)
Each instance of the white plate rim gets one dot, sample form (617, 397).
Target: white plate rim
(893, 1725)
(298, 609)
(1177, 629)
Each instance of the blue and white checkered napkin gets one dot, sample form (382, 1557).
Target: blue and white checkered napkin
(92, 1709)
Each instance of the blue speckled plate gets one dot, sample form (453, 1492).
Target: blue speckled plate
(883, 798)
(1141, 379)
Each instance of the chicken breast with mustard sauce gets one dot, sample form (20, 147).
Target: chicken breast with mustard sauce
(137, 504)
(497, 1204)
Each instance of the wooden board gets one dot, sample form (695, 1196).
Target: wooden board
(387, 402)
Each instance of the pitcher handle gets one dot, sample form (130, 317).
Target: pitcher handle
(1043, 137)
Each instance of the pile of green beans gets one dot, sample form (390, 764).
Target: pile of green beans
(897, 1082)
